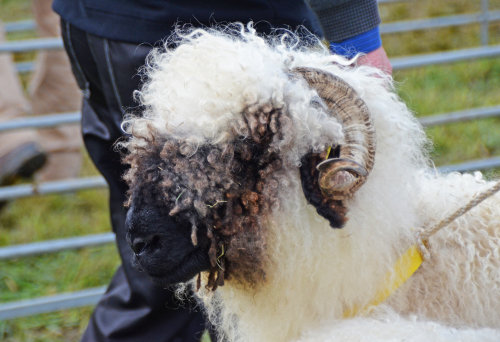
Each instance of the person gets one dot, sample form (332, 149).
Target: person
(107, 42)
(53, 153)
(352, 27)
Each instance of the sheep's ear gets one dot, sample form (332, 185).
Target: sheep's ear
(328, 181)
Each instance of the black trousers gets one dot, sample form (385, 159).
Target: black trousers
(133, 308)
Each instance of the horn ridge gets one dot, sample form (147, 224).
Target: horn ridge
(341, 177)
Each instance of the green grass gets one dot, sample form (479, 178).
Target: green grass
(52, 217)
(54, 327)
(426, 90)
(446, 88)
(14, 10)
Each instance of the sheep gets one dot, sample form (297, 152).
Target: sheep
(283, 183)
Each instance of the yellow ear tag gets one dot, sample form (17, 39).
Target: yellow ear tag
(404, 268)
(328, 151)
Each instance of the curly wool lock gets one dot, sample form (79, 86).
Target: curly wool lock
(197, 98)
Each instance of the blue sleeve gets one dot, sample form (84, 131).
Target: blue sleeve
(362, 43)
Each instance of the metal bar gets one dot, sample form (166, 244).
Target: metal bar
(464, 115)
(28, 45)
(53, 246)
(484, 22)
(25, 67)
(454, 20)
(22, 25)
(69, 185)
(41, 121)
(57, 302)
(473, 165)
(445, 57)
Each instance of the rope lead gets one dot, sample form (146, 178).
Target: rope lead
(424, 235)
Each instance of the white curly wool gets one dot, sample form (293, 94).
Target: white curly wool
(193, 94)
(396, 329)
(316, 273)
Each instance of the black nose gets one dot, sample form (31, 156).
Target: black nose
(141, 244)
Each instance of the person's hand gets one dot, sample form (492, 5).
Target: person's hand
(377, 58)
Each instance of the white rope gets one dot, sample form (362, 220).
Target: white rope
(424, 235)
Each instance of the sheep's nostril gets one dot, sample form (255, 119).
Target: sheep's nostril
(139, 244)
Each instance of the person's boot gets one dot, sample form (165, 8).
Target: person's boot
(20, 162)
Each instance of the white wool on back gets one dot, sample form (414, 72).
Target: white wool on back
(460, 284)
(316, 273)
(394, 328)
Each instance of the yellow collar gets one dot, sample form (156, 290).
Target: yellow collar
(404, 268)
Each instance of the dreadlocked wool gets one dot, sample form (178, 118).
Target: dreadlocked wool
(290, 275)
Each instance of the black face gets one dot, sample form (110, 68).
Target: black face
(162, 244)
(204, 211)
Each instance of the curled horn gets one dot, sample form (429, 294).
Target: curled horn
(339, 178)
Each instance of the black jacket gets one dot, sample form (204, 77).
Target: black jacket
(148, 21)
